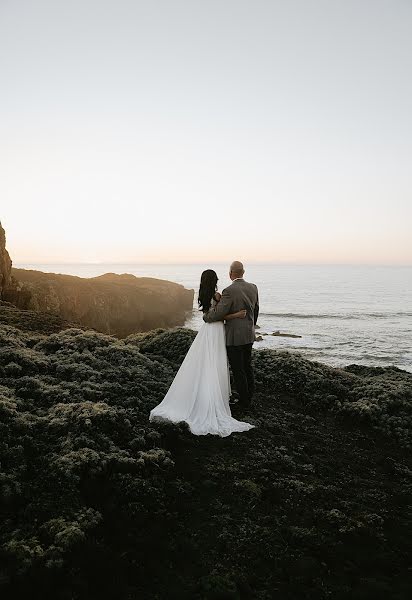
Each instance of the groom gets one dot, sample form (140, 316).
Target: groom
(240, 333)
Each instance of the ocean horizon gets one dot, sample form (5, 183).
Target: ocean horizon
(343, 314)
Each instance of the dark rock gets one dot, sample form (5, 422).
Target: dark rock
(289, 335)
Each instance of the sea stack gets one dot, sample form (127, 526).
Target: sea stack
(5, 263)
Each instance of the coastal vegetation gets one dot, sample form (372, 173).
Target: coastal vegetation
(96, 502)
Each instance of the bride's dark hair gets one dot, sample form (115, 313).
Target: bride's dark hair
(207, 289)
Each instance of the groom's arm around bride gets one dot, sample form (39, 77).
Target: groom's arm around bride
(238, 296)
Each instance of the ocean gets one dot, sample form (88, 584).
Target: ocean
(344, 314)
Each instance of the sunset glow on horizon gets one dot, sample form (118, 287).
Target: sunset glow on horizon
(186, 132)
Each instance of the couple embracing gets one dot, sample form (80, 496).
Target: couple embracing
(199, 394)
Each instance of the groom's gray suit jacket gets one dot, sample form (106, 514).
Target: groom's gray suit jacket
(238, 296)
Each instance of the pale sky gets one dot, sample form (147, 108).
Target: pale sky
(185, 131)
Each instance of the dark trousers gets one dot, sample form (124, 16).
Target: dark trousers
(240, 360)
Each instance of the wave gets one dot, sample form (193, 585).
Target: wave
(375, 315)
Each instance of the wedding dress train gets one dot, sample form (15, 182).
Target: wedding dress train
(199, 394)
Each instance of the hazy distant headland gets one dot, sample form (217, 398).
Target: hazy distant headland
(111, 303)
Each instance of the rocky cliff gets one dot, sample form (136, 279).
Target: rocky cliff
(114, 304)
(5, 263)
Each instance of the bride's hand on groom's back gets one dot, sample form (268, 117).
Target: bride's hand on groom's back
(242, 314)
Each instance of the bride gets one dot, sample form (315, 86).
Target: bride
(199, 394)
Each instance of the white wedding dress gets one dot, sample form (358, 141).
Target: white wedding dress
(199, 394)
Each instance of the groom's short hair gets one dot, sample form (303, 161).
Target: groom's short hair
(237, 268)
